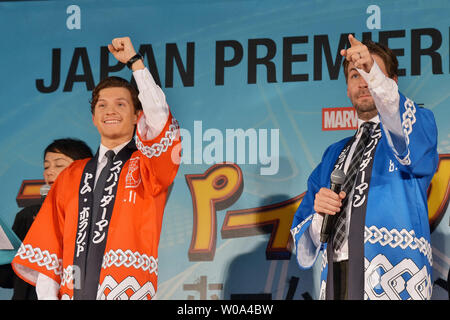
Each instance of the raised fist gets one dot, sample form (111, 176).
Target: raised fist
(122, 49)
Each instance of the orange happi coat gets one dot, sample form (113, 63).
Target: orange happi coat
(130, 262)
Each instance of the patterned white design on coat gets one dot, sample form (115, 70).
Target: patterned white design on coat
(129, 259)
(156, 149)
(323, 290)
(394, 238)
(118, 291)
(67, 276)
(324, 260)
(42, 258)
(323, 283)
(403, 281)
(408, 119)
(296, 230)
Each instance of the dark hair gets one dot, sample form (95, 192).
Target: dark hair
(73, 148)
(114, 82)
(381, 50)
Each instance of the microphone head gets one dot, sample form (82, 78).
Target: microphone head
(44, 190)
(337, 177)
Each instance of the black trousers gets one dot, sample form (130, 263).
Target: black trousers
(340, 280)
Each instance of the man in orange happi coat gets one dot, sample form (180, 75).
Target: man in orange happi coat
(97, 233)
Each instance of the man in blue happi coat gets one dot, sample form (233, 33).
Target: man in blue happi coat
(379, 246)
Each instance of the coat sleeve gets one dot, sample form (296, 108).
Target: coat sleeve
(306, 249)
(416, 149)
(157, 135)
(161, 155)
(42, 249)
(410, 130)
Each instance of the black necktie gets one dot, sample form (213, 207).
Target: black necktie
(352, 172)
(101, 181)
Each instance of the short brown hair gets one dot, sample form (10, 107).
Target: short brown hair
(114, 82)
(381, 50)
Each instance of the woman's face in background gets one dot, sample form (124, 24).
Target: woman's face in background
(54, 163)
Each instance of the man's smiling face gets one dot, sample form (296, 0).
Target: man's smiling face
(114, 116)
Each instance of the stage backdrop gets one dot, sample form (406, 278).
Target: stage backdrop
(256, 84)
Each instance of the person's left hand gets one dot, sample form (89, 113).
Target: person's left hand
(358, 54)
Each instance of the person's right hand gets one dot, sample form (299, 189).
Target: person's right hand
(327, 201)
(359, 54)
(122, 49)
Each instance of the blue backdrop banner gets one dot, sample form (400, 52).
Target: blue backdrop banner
(256, 84)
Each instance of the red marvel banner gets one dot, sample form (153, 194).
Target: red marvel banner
(339, 119)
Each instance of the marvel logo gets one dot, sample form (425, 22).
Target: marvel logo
(339, 119)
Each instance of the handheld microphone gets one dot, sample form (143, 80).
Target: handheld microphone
(337, 179)
(43, 191)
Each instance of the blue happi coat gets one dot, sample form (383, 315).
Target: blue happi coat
(389, 244)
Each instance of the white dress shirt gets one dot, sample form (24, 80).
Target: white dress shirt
(156, 113)
(384, 91)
